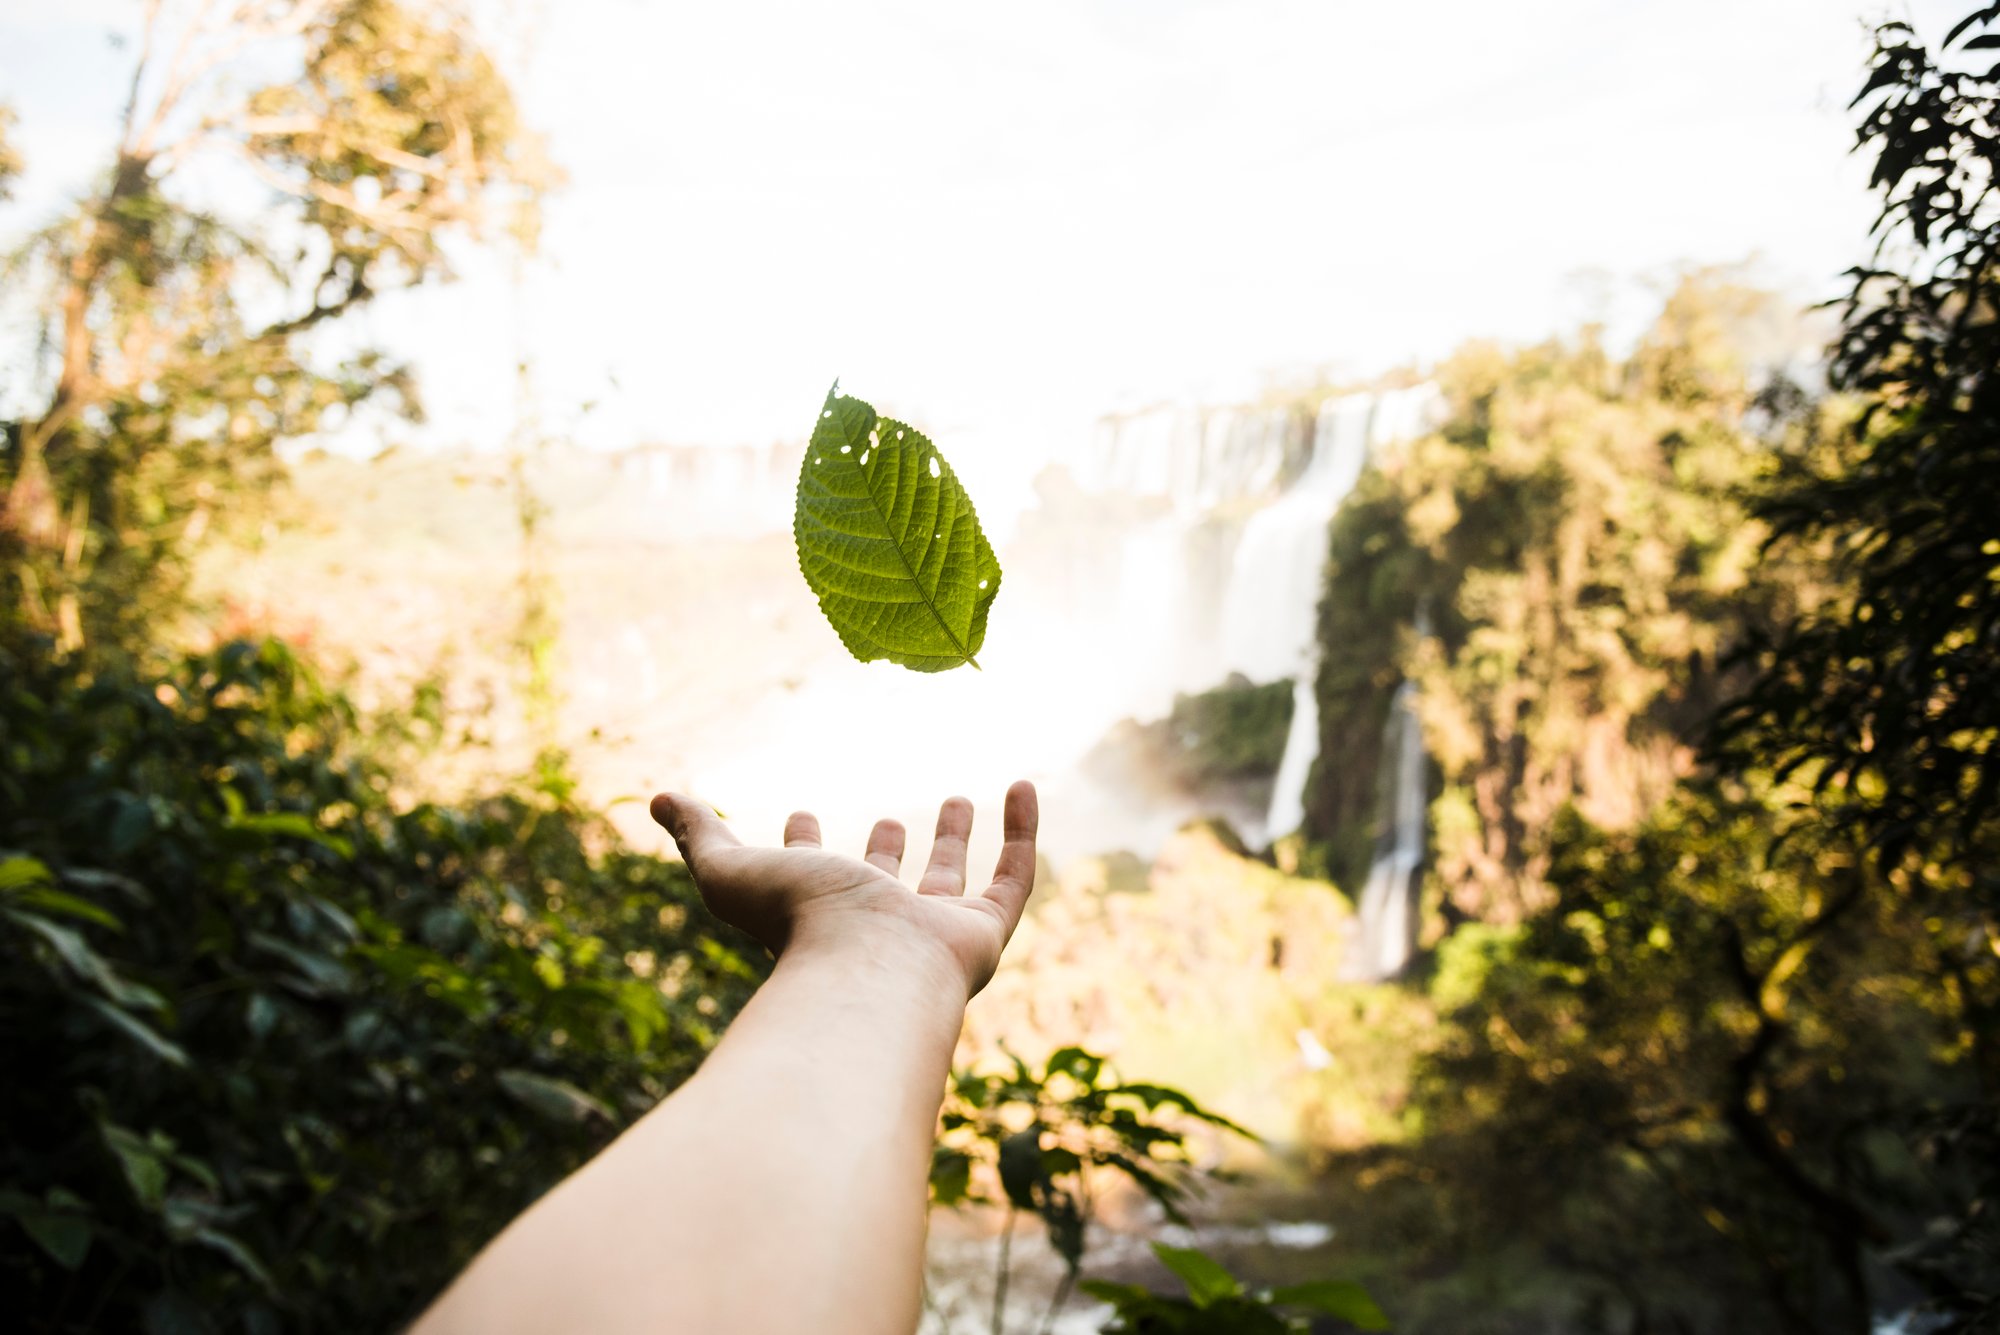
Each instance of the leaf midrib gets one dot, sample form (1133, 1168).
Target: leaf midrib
(888, 527)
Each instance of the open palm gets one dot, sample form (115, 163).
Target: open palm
(781, 895)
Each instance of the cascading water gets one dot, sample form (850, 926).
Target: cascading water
(1267, 613)
(1386, 922)
(1259, 618)
(1349, 430)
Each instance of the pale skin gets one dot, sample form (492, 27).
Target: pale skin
(782, 1188)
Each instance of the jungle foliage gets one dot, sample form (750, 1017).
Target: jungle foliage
(1225, 741)
(298, 1049)
(178, 344)
(1040, 1142)
(1560, 569)
(1708, 672)
(287, 1044)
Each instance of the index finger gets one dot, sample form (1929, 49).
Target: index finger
(1014, 873)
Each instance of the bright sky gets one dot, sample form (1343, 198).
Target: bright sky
(995, 217)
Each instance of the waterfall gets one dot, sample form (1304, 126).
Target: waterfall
(1274, 577)
(1385, 933)
(1348, 431)
(1288, 791)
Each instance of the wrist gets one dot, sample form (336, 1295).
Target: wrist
(869, 954)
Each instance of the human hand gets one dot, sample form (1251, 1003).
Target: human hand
(803, 897)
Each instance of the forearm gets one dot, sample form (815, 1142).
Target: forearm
(780, 1190)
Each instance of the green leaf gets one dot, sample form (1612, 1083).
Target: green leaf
(318, 975)
(951, 1176)
(87, 964)
(1156, 1096)
(1118, 1295)
(294, 823)
(1335, 1297)
(16, 872)
(57, 1224)
(144, 1162)
(1021, 1166)
(261, 1014)
(889, 543)
(237, 1252)
(1058, 1161)
(557, 1100)
(1076, 1063)
(139, 1032)
(75, 906)
(1204, 1276)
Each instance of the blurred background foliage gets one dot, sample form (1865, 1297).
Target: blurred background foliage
(1705, 1034)
(297, 1049)
(1707, 673)
(292, 1043)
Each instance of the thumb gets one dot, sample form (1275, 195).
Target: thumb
(696, 829)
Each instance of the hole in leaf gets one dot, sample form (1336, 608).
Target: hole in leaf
(864, 456)
(827, 413)
(846, 448)
(982, 583)
(934, 466)
(899, 435)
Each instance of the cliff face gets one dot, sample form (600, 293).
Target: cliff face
(1573, 538)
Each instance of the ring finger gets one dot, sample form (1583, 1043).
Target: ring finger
(885, 846)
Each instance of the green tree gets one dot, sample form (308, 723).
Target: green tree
(283, 1053)
(1575, 541)
(178, 338)
(1689, 1082)
(1888, 699)
(1727, 1057)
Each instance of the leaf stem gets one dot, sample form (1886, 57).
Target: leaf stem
(1000, 1280)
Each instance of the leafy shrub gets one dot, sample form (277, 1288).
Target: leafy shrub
(1218, 1304)
(1040, 1135)
(283, 1053)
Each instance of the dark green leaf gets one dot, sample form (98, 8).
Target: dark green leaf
(1337, 1298)
(557, 1100)
(86, 963)
(1076, 1063)
(1205, 1277)
(57, 1224)
(951, 1176)
(139, 1032)
(1021, 1166)
(1118, 1295)
(74, 906)
(294, 824)
(143, 1161)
